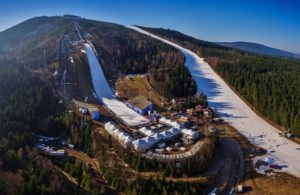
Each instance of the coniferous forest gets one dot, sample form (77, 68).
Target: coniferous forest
(25, 101)
(125, 51)
(29, 97)
(29, 54)
(269, 84)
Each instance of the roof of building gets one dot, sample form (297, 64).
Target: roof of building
(126, 114)
(140, 102)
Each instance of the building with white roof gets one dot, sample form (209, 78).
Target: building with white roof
(140, 145)
(169, 122)
(157, 137)
(190, 133)
(146, 131)
(124, 139)
(126, 114)
(109, 126)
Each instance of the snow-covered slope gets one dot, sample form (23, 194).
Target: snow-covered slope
(101, 86)
(105, 94)
(236, 112)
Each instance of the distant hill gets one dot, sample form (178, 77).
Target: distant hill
(258, 48)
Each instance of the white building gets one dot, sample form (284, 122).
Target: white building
(146, 131)
(140, 145)
(124, 139)
(126, 114)
(169, 122)
(190, 133)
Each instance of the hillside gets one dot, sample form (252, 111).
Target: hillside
(36, 108)
(258, 48)
(124, 51)
(52, 40)
(269, 84)
(30, 53)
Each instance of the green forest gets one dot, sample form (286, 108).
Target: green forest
(24, 171)
(25, 101)
(121, 50)
(124, 51)
(269, 84)
(29, 97)
(174, 81)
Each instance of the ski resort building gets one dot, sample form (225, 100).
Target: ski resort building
(169, 122)
(127, 115)
(124, 139)
(151, 138)
(140, 104)
(145, 143)
(146, 131)
(190, 134)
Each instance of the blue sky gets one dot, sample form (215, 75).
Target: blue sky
(273, 23)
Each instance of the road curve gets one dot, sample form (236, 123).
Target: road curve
(231, 108)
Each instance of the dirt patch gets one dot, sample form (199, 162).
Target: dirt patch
(131, 86)
(278, 184)
(252, 182)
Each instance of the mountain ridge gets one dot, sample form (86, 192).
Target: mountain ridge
(259, 49)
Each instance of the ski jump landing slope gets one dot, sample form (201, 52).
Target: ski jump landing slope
(105, 94)
(101, 86)
(231, 108)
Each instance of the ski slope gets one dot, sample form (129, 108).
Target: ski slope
(100, 83)
(231, 108)
(105, 94)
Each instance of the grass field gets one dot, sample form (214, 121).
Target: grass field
(130, 86)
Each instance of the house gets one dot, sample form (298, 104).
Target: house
(208, 112)
(183, 119)
(140, 104)
(211, 129)
(199, 108)
(190, 111)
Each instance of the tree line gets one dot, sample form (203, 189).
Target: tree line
(269, 84)
(124, 51)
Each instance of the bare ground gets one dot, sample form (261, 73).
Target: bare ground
(255, 183)
(129, 87)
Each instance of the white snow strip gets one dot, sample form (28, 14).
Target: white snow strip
(236, 112)
(100, 83)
